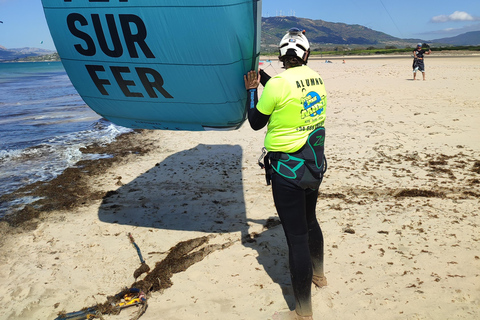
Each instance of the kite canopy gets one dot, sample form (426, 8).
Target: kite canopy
(159, 64)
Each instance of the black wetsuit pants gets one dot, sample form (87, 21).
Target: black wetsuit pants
(296, 209)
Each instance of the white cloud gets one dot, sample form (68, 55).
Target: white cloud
(456, 16)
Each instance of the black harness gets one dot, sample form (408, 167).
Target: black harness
(304, 168)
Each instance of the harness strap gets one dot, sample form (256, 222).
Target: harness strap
(268, 169)
(304, 167)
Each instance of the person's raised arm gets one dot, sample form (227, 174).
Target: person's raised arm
(256, 119)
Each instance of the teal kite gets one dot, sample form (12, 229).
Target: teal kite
(159, 64)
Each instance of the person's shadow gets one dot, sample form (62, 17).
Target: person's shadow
(200, 189)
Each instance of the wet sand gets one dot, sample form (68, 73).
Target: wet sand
(399, 208)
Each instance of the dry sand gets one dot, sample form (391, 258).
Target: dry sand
(399, 208)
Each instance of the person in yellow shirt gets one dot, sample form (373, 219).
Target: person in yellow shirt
(293, 106)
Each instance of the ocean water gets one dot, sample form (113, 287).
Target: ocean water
(43, 125)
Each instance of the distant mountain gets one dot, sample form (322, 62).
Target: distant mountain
(321, 34)
(466, 39)
(327, 34)
(18, 53)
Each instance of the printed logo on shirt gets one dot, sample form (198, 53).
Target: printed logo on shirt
(309, 82)
(313, 105)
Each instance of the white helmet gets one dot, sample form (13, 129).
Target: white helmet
(295, 44)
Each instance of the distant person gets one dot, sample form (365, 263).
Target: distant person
(293, 105)
(418, 62)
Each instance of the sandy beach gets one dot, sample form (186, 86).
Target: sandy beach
(399, 209)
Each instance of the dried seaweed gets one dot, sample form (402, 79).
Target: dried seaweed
(180, 257)
(419, 193)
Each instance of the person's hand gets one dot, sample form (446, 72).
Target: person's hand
(252, 80)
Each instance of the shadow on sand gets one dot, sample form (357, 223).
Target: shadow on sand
(200, 189)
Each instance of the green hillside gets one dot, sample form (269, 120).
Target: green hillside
(327, 34)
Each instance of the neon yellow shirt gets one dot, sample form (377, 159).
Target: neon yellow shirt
(296, 101)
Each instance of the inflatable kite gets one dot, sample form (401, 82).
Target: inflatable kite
(159, 64)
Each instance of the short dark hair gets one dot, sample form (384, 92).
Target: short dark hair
(292, 61)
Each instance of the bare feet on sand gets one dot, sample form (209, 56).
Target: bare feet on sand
(319, 281)
(289, 315)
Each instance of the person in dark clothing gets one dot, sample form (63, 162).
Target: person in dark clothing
(418, 62)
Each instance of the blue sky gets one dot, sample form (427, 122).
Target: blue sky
(24, 24)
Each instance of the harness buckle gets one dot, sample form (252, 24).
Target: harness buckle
(262, 157)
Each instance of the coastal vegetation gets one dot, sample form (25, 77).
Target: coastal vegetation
(336, 51)
(347, 51)
(47, 57)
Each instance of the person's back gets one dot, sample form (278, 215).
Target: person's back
(296, 100)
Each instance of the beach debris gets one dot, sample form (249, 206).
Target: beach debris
(476, 167)
(88, 313)
(271, 223)
(418, 193)
(133, 298)
(250, 237)
(144, 267)
(126, 298)
(183, 255)
(180, 257)
(349, 230)
(74, 181)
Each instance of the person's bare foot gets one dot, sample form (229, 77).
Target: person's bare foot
(289, 315)
(319, 281)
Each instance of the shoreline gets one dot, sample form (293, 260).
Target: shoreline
(436, 54)
(443, 53)
(73, 179)
(399, 208)
(397, 56)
